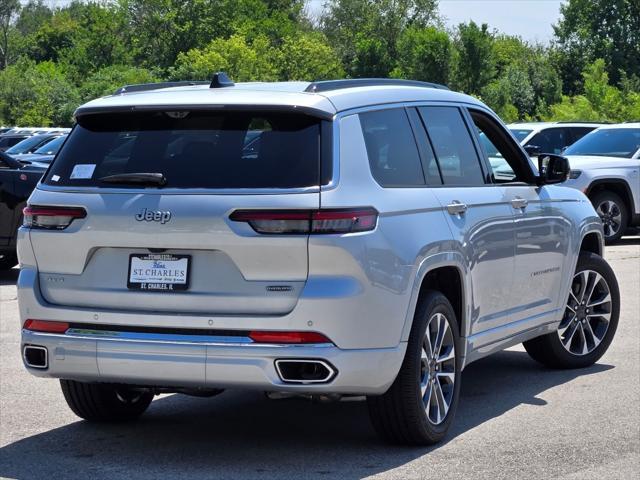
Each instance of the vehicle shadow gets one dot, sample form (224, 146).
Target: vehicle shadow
(245, 435)
(9, 277)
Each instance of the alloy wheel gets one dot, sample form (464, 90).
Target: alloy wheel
(611, 216)
(587, 314)
(437, 368)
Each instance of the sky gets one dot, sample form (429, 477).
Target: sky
(530, 19)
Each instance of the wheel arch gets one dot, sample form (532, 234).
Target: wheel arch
(446, 273)
(592, 242)
(616, 185)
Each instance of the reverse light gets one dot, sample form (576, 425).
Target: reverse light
(288, 337)
(308, 221)
(45, 326)
(52, 218)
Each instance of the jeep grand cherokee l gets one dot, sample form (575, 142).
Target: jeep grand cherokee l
(340, 237)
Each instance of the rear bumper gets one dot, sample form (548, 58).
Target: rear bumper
(157, 361)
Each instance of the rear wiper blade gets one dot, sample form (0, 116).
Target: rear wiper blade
(146, 178)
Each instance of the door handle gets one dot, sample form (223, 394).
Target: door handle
(456, 208)
(519, 203)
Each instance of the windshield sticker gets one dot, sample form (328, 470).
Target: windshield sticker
(55, 178)
(82, 170)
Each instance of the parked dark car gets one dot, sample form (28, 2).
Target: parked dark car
(9, 140)
(17, 181)
(31, 144)
(45, 153)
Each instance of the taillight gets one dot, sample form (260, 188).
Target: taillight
(54, 218)
(288, 337)
(308, 221)
(46, 326)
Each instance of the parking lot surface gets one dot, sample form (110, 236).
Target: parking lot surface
(516, 420)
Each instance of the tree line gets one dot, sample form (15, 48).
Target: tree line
(52, 59)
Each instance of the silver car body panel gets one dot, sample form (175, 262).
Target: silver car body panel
(360, 289)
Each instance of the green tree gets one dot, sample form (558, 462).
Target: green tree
(163, 29)
(8, 11)
(32, 16)
(475, 63)
(108, 79)
(531, 82)
(592, 29)
(365, 33)
(307, 57)
(600, 101)
(424, 54)
(98, 41)
(36, 94)
(241, 60)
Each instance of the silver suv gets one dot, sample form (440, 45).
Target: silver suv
(329, 238)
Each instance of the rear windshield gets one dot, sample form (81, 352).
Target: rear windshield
(193, 149)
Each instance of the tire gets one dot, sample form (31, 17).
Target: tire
(8, 260)
(102, 402)
(614, 215)
(585, 333)
(399, 415)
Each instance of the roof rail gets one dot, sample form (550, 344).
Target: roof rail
(145, 87)
(588, 122)
(328, 85)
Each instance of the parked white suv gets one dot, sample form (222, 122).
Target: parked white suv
(550, 137)
(605, 165)
(340, 237)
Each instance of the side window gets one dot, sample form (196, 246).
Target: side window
(457, 157)
(429, 162)
(508, 162)
(551, 140)
(577, 133)
(391, 148)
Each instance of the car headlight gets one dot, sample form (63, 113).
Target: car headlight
(575, 174)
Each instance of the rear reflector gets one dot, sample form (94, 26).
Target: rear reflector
(308, 221)
(54, 218)
(46, 326)
(288, 337)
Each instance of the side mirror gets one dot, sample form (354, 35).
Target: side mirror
(552, 169)
(532, 150)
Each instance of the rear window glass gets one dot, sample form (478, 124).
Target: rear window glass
(195, 149)
(391, 147)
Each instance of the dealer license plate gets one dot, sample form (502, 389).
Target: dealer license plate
(158, 272)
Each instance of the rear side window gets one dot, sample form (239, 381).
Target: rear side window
(576, 133)
(391, 148)
(552, 140)
(10, 141)
(457, 157)
(193, 149)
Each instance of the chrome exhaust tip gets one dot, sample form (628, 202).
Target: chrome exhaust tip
(302, 371)
(35, 356)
